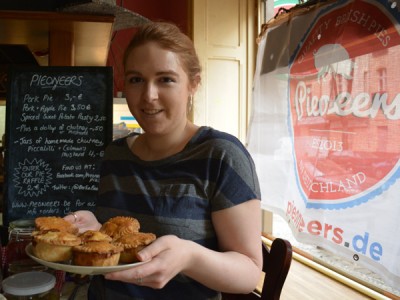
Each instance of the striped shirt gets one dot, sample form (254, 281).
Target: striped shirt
(176, 195)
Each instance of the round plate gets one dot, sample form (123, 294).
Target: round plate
(79, 269)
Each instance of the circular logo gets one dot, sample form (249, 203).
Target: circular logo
(345, 105)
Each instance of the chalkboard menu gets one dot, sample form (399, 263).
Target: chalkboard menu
(58, 123)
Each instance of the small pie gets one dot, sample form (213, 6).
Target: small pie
(54, 223)
(99, 254)
(54, 246)
(94, 236)
(132, 243)
(119, 226)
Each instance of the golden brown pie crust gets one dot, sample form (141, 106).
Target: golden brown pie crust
(54, 246)
(132, 244)
(94, 236)
(136, 239)
(117, 241)
(54, 223)
(96, 254)
(119, 226)
(57, 238)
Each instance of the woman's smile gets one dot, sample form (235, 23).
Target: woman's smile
(152, 112)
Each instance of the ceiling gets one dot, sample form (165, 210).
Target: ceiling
(27, 26)
(91, 35)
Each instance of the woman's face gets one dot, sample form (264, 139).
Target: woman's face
(157, 89)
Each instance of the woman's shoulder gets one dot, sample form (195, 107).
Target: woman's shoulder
(119, 147)
(121, 141)
(213, 143)
(210, 133)
(217, 138)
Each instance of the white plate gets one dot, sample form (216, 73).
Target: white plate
(78, 269)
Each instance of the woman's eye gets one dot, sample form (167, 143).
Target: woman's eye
(135, 80)
(167, 79)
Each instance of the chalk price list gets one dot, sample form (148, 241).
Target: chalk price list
(63, 129)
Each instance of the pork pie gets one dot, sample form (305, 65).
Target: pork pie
(54, 246)
(99, 254)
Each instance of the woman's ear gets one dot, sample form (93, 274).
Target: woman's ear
(195, 84)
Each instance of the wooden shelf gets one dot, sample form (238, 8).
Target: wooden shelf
(59, 38)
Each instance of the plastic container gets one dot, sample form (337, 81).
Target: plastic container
(30, 286)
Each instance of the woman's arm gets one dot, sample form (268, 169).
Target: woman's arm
(236, 269)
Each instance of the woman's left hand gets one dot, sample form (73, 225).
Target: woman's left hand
(234, 268)
(167, 256)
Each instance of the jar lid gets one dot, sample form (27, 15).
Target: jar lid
(25, 265)
(29, 283)
(22, 224)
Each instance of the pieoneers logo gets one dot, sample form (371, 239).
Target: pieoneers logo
(345, 104)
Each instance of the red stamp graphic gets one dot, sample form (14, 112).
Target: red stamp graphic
(345, 105)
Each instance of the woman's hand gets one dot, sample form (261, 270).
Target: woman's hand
(236, 268)
(84, 220)
(167, 256)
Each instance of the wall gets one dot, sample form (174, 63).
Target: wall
(175, 11)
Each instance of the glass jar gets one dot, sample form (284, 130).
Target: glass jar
(32, 285)
(19, 236)
(25, 265)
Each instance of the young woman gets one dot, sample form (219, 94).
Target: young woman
(194, 187)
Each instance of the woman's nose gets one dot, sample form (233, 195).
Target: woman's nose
(150, 92)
